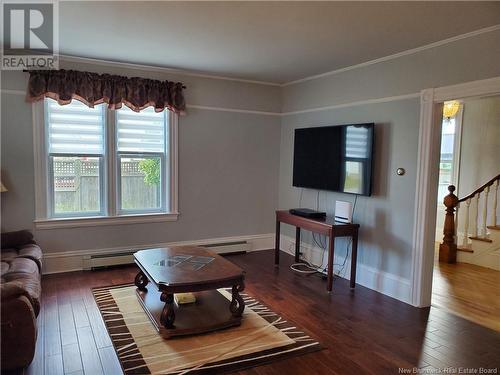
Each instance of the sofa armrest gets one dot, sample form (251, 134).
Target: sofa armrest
(16, 239)
(18, 333)
(12, 289)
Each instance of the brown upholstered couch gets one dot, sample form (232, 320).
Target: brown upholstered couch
(21, 264)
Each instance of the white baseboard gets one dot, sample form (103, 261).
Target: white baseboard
(381, 281)
(68, 261)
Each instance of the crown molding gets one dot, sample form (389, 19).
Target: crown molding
(154, 68)
(397, 55)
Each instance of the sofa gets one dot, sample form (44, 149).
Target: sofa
(21, 265)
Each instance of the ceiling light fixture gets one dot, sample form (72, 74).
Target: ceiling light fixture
(450, 108)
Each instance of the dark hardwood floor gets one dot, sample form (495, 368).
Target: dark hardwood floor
(363, 332)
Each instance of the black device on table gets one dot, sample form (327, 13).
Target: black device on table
(307, 212)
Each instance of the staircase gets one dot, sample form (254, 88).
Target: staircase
(471, 230)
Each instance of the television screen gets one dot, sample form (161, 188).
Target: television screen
(336, 158)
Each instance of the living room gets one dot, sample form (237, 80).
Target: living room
(95, 169)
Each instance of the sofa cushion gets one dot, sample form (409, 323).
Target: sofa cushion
(20, 265)
(32, 252)
(8, 255)
(25, 273)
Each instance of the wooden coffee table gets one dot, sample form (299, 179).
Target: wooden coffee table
(183, 269)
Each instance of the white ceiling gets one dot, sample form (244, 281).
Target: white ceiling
(268, 41)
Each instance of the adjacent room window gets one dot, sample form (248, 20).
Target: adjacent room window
(356, 158)
(102, 163)
(447, 161)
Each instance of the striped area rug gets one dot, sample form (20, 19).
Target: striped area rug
(262, 337)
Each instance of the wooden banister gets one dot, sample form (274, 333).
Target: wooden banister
(479, 190)
(448, 248)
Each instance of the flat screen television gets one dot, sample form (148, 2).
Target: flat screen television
(336, 158)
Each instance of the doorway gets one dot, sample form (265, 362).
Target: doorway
(431, 117)
(467, 286)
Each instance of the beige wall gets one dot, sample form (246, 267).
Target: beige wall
(480, 148)
(228, 165)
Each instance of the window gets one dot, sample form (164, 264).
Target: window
(75, 159)
(95, 164)
(141, 142)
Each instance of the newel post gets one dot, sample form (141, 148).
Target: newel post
(448, 249)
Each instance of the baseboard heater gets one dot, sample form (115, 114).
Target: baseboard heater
(97, 261)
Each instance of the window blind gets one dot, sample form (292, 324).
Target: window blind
(140, 131)
(75, 128)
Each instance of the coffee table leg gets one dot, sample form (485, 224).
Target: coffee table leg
(237, 304)
(141, 281)
(167, 315)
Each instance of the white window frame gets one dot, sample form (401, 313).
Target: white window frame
(110, 214)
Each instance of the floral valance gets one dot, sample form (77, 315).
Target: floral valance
(92, 88)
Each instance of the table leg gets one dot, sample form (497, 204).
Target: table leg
(141, 281)
(354, 258)
(237, 304)
(297, 244)
(331, 252)
(277, 244)
(167, 317)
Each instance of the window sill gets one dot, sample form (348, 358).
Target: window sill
(96, 221)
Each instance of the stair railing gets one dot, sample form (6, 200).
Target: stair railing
(479, 230)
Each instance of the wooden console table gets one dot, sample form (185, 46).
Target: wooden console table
(328, 227)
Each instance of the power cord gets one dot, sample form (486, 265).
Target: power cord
(320, 244)
(309, 269)
(349, 244)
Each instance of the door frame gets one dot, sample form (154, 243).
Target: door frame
(429, 142)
